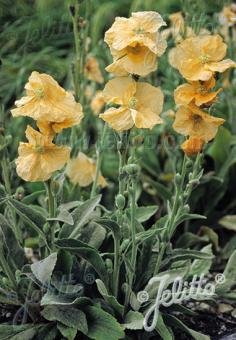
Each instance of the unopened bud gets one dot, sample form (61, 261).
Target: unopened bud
(132, 169)
(120, 201)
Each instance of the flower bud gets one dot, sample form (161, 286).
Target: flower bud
(192, 146)
(120, 201)
(124, 245)
(55, 186)
(20, 192)
(186, 208)
(177, 179)
(109, 266)
(132, 169)
(137, 140)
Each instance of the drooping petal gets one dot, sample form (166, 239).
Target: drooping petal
(82, 171)
(119, 119)
(221, 66)
(149, 21)
(149, 98)
(145, 119)
(184, 94)
(119, 90)
(140, 62)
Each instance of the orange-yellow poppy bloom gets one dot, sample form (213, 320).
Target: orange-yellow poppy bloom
(140, 104)
(198, 92)
(39, 158)
(198, 58)
(228, 15)
(92, 70)
(49, 104)
(98, 102)
(177, 28)
(135, 43)
(192, 121)
(192, 146)
(82, 171)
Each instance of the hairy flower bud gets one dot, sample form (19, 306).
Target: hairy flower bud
(120, 201)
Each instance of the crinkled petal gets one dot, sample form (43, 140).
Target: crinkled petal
(145, 119)
(184, 94)
(149, 21)
(149, 98)
(119, 119)
(221, 66)
(119, 90)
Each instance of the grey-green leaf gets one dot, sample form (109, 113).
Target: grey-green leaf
(102, 326)
(43, 269)
(86, 252)
(67, 315)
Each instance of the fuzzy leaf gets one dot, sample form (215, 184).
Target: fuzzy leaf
(81, 215)
(43, 269)
(202, 266)
(88, 253)
(228, 222)
(133, 320)
(144, 213)
(102, 326)
(163, 330)
(68, 332)
(68, 316)
(18, 332)
(110, 299)
(111, 226)
(29, 215)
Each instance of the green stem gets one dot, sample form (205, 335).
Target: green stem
(51, 210)
(5, 174)
(99, 161)
(116, 270)
(133, 239)
(75, 19)
(172, 216)
(7, 270)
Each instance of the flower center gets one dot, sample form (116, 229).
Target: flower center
(39, 93)
(134, 49)
(39, 149)
(196, 118)
(139, 30)
(204, 58)
(202, 90)
(133, 103)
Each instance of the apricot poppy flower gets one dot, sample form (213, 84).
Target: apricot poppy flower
(135, 43)
(198, 58)
(98, 102)
(194, 122)
(92, 70)
(140, 104)
(177, 28)
(228, 15)
(48, 103)
(39, 158)
(82, 171)
(192, 146)
(198, 92)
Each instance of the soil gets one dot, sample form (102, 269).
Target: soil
(218, 327)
